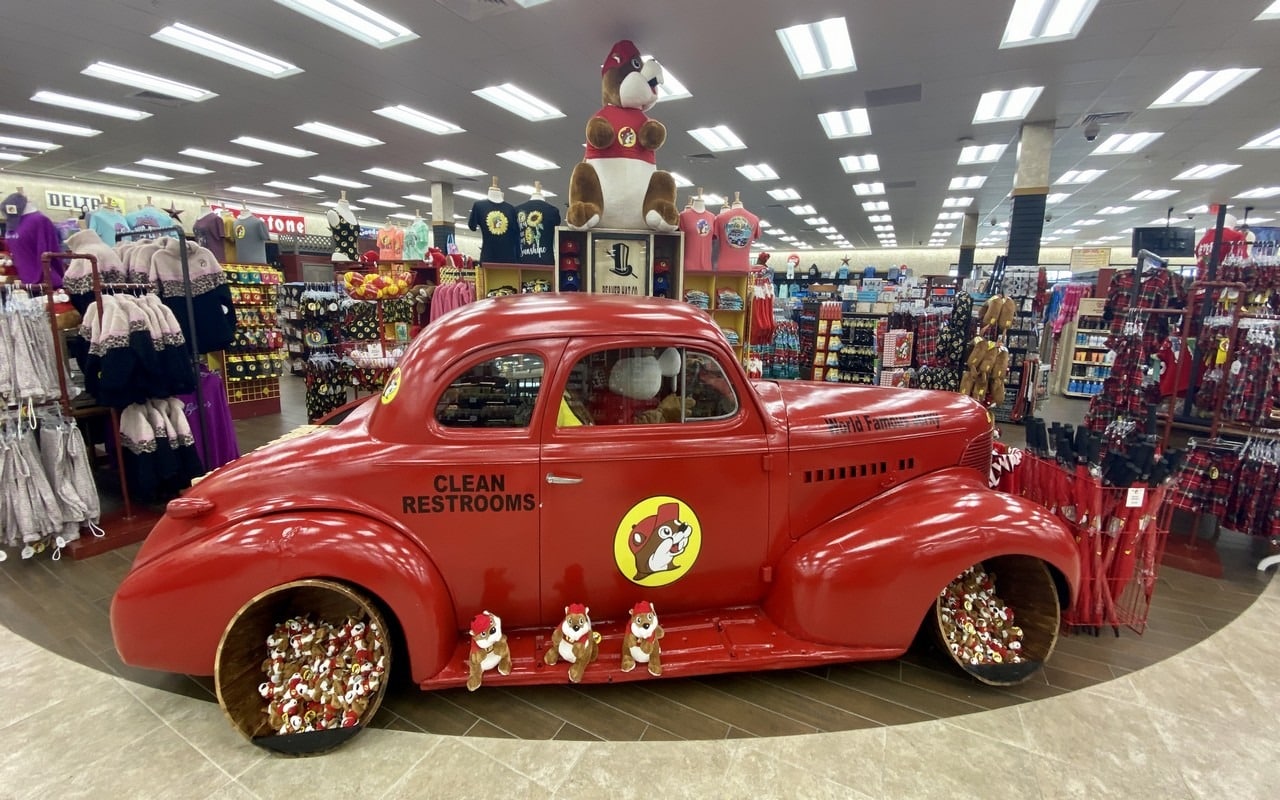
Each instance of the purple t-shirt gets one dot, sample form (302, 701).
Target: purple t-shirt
(209, 230)
(34, 236)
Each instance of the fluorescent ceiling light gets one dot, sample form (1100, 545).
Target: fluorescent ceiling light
(1006, 104)
(815, 221)
(355, 20)
(880, 218)
(847, 123)
(1197, 210)
(1068, 231)
(1044, 21)
(951, 215)
(968, 182)
(681, 181)
(417, 119)
(300, 188)
(1049, 238)
(868, 163)
(786, 238)
(981, 154)
(209, 155)
(454, 167)
(1261, 220)
(1079, 176)
(145, 80)
(392, 175)
(339, 182)
(671, 87)
(373, 201)
(251, 192)
(882, 228)
(779, 232)
(764, 225)
(713, 199)
(1125, 143)
(717, 139)
(527, 159)
(876, 205)
(273, 147)
(1056, 197)
(1108, 211)
(835, 237)
(338, 134)
(957, 202)
(11, 157)
(402, 215)
(206, 44)
(868, 189)
(758, 172)
(510, 97)
(1201, 87)
(1204, 172)
(1261, 193)
(1153, 194)
(31, 144)
(418, 198)
(468, 193)
(945, 226)
(1266, 141)
(331, 204)
(1110, 238)
(47, 125)
(91, 106)
(819, 48)
(1082, 223)
(173, 166)
(1270, 12)
(827, 229)
(135, 173)
(525, 188)
(802, 211)
(784, 194)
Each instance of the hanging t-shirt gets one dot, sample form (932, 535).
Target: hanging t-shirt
(699, 229)
(108, 223)
(251, 240)
(149, 217)
(499, 236)
(388, 239)
(346, 239)
(537, 221)
(228, 237)
(209, 231)
(736, 229)
(417, 238)
(1234, 243)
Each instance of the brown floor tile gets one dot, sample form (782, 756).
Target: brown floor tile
(854, 701)
(703, 696)
(503, 709)
(580, 709)
(429, 711)
(572, 733)
(652, 734)
(762, 691)
(928, 702)
(660, 711)
(484, 729)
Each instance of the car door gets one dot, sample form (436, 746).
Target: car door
(673, 508)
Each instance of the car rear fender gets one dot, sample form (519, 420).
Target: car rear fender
(169, 613)
(868, 577)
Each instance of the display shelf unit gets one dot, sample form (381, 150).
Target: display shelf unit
(521, 278)
(733, 318)
(253, 363)
(621, 262)
(1086, 361)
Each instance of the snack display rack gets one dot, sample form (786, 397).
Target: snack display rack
(255, 360)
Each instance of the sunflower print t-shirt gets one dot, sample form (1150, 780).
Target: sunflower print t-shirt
(500, 239)
(538, 221)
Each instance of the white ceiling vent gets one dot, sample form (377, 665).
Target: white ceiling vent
(475, 10)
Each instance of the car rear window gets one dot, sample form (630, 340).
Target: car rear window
(496, 393)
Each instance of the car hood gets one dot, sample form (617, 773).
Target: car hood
(820, 414)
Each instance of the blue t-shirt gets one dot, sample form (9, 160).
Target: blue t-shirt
(149, 217)
(107, 222)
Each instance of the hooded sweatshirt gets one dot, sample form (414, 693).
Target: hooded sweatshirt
(214, 320)
(78, 280)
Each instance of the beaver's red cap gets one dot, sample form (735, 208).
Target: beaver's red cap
(621, 53)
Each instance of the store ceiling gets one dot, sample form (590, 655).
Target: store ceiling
(729, 57)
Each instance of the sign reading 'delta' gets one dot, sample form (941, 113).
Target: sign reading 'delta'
(74, 202)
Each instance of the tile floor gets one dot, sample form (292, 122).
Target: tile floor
(1109, 714)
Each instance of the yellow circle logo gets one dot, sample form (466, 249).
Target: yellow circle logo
(392, 387)
(657, 541)
(627, 137)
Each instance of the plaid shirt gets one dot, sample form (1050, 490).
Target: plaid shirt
(1160, 288)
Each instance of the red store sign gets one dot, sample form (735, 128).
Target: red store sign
(279, 224)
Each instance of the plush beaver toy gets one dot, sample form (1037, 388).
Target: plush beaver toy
(617, 184)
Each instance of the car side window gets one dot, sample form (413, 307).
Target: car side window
(497, 393)
(646, 385)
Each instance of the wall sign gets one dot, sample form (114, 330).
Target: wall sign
(279, 224)
(74, 202)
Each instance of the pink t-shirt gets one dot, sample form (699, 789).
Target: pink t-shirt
(736, 228)
(699, 229)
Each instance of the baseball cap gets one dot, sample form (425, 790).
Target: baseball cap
(13, 207)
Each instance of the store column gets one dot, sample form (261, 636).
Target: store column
(1030, 192)
(441, 214)
(968, 243)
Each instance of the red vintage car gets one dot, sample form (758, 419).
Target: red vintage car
(537, 451)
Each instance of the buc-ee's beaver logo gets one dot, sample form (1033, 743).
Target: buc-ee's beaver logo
(657, 541)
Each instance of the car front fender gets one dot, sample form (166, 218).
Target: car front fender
(170, 611)
(868, 577)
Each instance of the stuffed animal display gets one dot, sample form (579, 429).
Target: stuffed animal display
(640, 642)
(998, 313)
(985, 371)
(617, 184)
(489, 649)
(976, 624)
(574, 641)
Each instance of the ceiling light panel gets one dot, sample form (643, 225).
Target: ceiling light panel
(718, 139)
(373, 201)
(1080, 176)
(1113, 210)
(1204, 172)
(847, 123)
(454, 167)
(1006, 104)
(392, 175)
(1201, 87)
(30, 144)
(332, 204)
(969, 182)
(1068, 231)
(418, 119)
(1270, 12)
(349, 184)
(1125, 143)
(272, 147)
(819, 48)
(802, 210)
(1056, 197)
(957, 202)
(1261, 193)
(47, 125)
(816, 221)
(338, 134)
(880, 218)
(418, 198)
(827, 229)
(951, 215)
(882, 228)
(784, 194)
(210, 45)
(981, 154)
(1043, 21)
(681, 181)
(945, 226)
(510, 97)
(172, 166)
(868, 189)
(868, 163)
(135, 173)
(758, 172)
(714, 200)
(300, 188)
(210, 155)
(1084, 222)
(249, 191)
(91, 106)
(1153, 194)
(11, 157)
(469, 194)
(671, 88)
(355, 20)
(525, 188)
(876, 205)
(1266, 141)
(145, 80)
(526, 159)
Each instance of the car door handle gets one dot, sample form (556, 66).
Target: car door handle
(562, 480)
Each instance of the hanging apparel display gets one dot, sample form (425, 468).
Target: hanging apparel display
(215, 440)
(215, 319)
(28, 366)
(160, 458)
(499, 237)
(136, 351)
(78, 280)
(28, 235)
(251, 239)
(209, 231)
(735, 229)
(108, 223)
(1238, 483)
(150, 218)
(417, 239)
(537, 221)
(699, 229)
(47, 493)
(449, 296)
(346, 239)
(390, 241)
